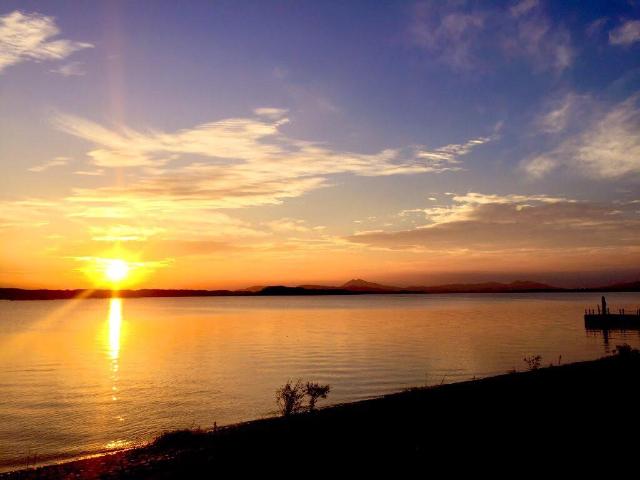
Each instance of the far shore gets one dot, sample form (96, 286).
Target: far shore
(580, 411)
(354, 287)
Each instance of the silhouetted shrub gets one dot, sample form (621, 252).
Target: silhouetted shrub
(315, 391)
(289, 398)
(625, 350)
(533, 362)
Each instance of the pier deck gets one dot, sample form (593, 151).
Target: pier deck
(623, 321)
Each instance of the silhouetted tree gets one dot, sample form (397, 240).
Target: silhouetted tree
(315, 391)
(290, 397)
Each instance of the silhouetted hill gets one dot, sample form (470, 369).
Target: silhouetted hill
(318, 287)
(620, 287)
(357, 284)
(252, 289)
(489, 287)
(282, 290)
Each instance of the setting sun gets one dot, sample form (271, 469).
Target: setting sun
(116, 270)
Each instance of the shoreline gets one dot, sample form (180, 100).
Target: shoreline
(20, 295)
(408, 425)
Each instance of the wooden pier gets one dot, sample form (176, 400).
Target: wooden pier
(602, 318)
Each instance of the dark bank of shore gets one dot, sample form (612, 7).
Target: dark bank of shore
(587, 410)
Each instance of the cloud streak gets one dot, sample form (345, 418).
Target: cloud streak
(626, 34)
(56, 162)
(30, 36)
(493, 223)
(460, 36)
(561, 114)
(72, 69)
(608, 147)
(242, 161)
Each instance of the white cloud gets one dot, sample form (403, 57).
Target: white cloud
(540, 166)
(465, 37)
(535, 38)
(608, 147)
(288, 225)
(123, 233)
(595, 27)
(90, 173)
(28, 36)
(56, 162)
(626, 34)
(561, 112)
(72, 69)
(523, 7)
(556, 120)
(271, 113)
(451, 153)
(245, 161)
(462, 206)
(448, 34)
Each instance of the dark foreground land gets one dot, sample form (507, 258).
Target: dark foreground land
(583, 415)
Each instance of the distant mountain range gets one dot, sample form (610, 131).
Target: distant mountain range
(352, 287)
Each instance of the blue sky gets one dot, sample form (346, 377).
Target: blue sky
(321, 140)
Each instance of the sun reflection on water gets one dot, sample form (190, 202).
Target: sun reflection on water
(113, 346)
(115, 325)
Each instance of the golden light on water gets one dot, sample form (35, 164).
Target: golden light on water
(115, 327)
(114, 339)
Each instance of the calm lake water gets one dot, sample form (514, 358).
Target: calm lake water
(86, 376)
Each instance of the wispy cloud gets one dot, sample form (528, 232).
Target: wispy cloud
(625, 34)
(29, 36)
(26, 213)
(536, 38)
(594, 28)
(56, 162)
(448, 34)
(244, 161)
(463, 206)
(607, 147)
(139, 220)
(561, 113)
(288, 225)
(464, 36)
(508, 223)
(123, 233)
(90, 173)
(72, 69)
(523, 7)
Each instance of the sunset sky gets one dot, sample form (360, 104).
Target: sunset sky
(228, 144)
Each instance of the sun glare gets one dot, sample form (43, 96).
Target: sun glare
(116, 270)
